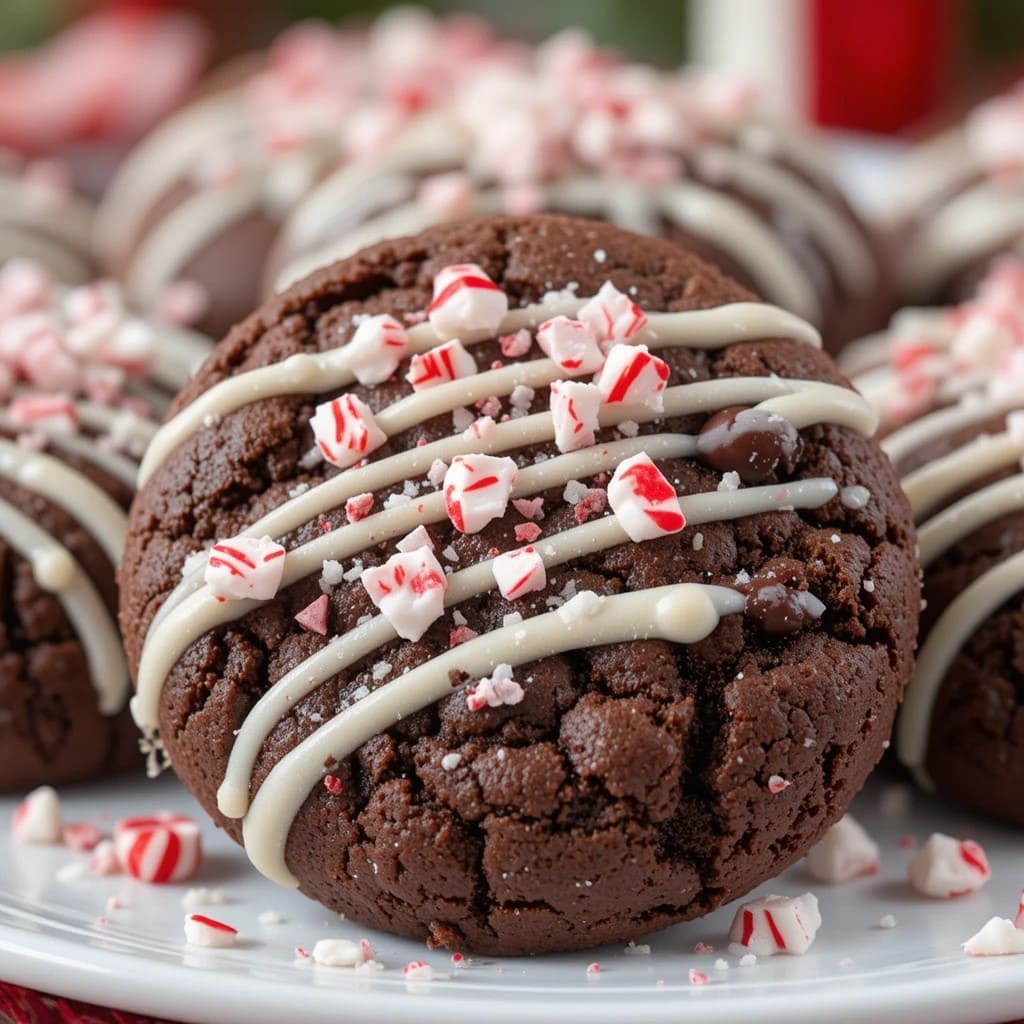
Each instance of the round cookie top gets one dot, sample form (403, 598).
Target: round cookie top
(536, 536)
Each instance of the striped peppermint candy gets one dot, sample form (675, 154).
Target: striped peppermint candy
(632, 376)
(466, 303)
(345, 430)
(37, 819)
(377, 347)
(846, 852)
(518, 573)
(777, 924)
(645, 502)
(163, 847)
(440, 365)
(495, 690)
(613, 315)
(572, 344)
(477, 489)
(574, 411)
(409, 590)
(947, 867)
(245, 567)
(45, 412)
(206, 932)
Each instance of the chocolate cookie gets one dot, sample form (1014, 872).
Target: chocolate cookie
(682, 155)
(76, 376)
(948, 384)
(519, 650)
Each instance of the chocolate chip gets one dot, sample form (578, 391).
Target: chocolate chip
(749, 442)
(779, 609)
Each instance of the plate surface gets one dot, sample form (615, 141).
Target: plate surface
(62, 938)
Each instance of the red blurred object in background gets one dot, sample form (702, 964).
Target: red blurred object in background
(879, 65)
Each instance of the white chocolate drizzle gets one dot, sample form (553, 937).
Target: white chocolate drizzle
(683, 613)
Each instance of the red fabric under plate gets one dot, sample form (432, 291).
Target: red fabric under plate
(22, 1006)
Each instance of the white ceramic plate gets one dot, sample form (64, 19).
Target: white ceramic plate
(52, 938)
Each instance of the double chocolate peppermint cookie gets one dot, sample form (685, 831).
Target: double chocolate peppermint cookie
(521, 586)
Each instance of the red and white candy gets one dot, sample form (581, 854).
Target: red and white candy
(162, 847)
(466, 303)
(409, 590)
(377, 347)
(613, 315)
(54, 413)
(575, 407)
(777, 924)
(518, 573)
(346, 431)
(999, 937)
(846, 852)
(632, 376)
(477, 489)
(495, 690)
(572, 344)
(210, 934)
(440, 365)
(644, 501)
(38, 820)
(947, 867)
(245, 567)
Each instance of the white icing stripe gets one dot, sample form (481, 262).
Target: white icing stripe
(58, 572)
(947, 637)
(328, 371)
(71, 491)
(344, 651)
(66, 265)
(833, 403)
(683, 613)
(952, 524)
(936, 481)
(899, 444)
(188, 612)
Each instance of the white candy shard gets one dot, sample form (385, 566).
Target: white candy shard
(440, 365)
(409, 590)
(376, 348)
(208, 933)
(947, 867)
(477, 489)
(466, 303)
(613, 315)
(346, 431)
(574, 411)
(419, 538)
(846, 852)
(519, 572)
(573, 345)
(338, 953)
(777, 924)
(632, 376)
(38, 820)
(245, 567)
(999, 937)
(644, 501)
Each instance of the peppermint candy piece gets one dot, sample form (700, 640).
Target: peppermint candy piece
(314, 616)
(245, 567)
(56, 413)
(466, 303)
(208, 933)
(477, 489)
(644, 501)
(777, 924)
(998, 937)
(377, 347)
(846, 852)
(947, 867)
(409, 590)
(440, 365)
(345, 430)
(574, 410)
(37, 820)
(519, 572)
(495, 690)
(162, 847)
(632, 376)
(572, 344)
(339, 953)
(613, 315)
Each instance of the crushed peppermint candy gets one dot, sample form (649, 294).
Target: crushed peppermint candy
(777, 924)
(346, 431)
(632, 376)
(515, 345)
(573, 345)
(998, 937)
(358, 507)
(418, 970)
(376, 348)
(451, 761)
(206, 932)
(846, 852)
(575, 408)
(38, 819)
(518, 573)
(419, 538)
(440, 365)
(314, 616)
(946, 868)
(613, 315)
(477, 489)
(644, 501)
(245, 567)
(409, 590)
(495, 690)
(466, 303)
